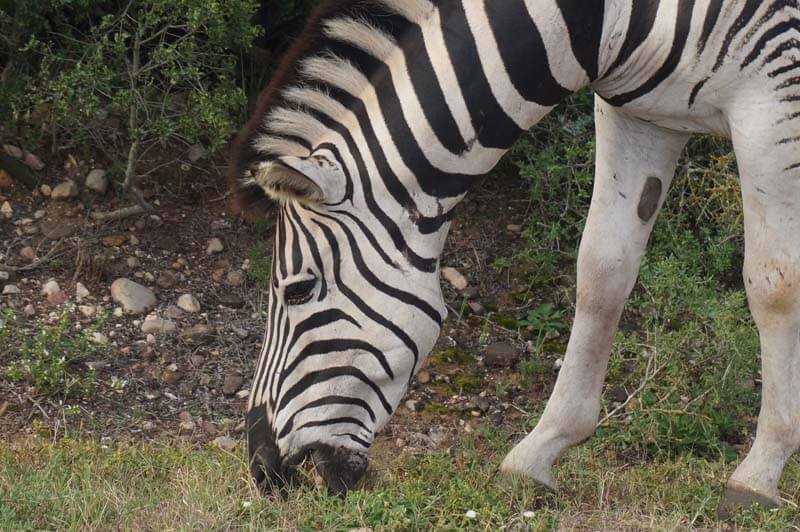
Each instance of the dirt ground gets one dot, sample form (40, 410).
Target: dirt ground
(194, 386)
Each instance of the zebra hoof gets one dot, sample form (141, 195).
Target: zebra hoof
(737, 497)
(516, 477)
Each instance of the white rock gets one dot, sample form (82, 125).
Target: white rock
(189, 303)
(99, 338)
(29, 310)
(134, 298)
(4, 275)
(81, 292)
(158, 326)
(34, 162)
(150, 339)
(454, 277)
(40, 214)
(243, 394)
(10, 289)
(28, 253)
(46, 190)
(214, 246)
(225, 443)
(558, 363)
(6, 210)
(50, 287)
(13, 151)
(528, 514)
(471, 514)
(87, 310)
(97, 181)
(118, 312)
(196, 153)
(65, 190)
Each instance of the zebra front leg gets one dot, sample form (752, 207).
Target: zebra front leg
(770, 177)
(635, 164)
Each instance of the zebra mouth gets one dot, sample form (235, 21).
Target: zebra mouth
(340, 467)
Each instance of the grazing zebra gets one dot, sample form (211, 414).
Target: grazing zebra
(385, 112)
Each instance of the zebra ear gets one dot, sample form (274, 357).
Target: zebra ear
(282, 180)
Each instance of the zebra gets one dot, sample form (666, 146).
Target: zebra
(384, 113)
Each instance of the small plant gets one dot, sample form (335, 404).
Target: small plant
(260, 271)
(47, 358)
(545, 319)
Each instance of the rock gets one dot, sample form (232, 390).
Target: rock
(199, 334)
(81, 292)
(149, 278)
(13, 151)
(424, 376)
(41, 213)
(174, 313)
(230, 300)
(240, 332)
(46, 190)
(233, 382)
(30, 230)
(197, 360)
(413, 405)
(87, 310)
(134, 298)
(235, 277)
(133, 240)
(214, 246)
(196, 153)
(6, 210)
(10, 289)
(28, 253)
(99, 338)
(171, 375)
(500, 354)
(50, 287)
(65, 190)
(4, 275)
(166, 243)
(243, 394)
(34, 162)
(114, 241)
(476, 308)
(225, 443)
(454, 277)
(616, 394)
(158, 326)
(57, 298)
(55, 230)
(97, 181)
(29, 310)
(558, 363)
(514, 228)
(132, 262)
(189, 303)
(187, 427)
(167, 279)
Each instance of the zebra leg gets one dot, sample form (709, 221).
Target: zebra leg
(635, 164)
(772, 280)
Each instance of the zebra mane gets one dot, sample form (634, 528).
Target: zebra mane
(281, 124)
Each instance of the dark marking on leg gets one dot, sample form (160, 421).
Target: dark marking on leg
(696, 90)
(621, 194)
(651, 195)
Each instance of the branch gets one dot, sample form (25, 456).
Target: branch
(649, 375)
(35, 264)
(118, 214)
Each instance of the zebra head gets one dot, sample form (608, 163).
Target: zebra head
(352, 312)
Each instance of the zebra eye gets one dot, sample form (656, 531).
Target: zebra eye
(299, 292)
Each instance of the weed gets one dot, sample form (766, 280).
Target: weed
(260, 272)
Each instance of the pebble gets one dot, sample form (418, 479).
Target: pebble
(13, 151)
(57, 298)
(198, 334)
(232, 383)
(65, 190)
(240, 332)
(187, 427)
(114, 240)
(158, 326)
(174, 313)
(558, 363)
(41, 213)
(196, 153)
(133, 297)
(97, 181)
(28, 253)
(243, 394)
(10, 289)
(501, 354)
(50, 287)
(87, 310)
(55, 230)
(171, 375)
(413, 405)
(189, 303)
(46, 190)
(424, 376)
(167, 279)
(231, 300)
(514, 228)
(225, 443)
(81, 292)
(214, 246)
(235, 277)
(99, 338)
(132, 262)
(528, 514)
(29, 311)
(471, 514)
(454, 277)
(6, 210)
(34, 162)
(476, 308)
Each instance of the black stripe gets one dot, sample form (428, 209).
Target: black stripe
(523, 52)
(774, 32)
(712, 16)
(774, 8)
(355, 439)
(682, 26)
(747, 13)
(370, 236)
(784, 69)
(494, 128)
(794, 166)
(281, 244)
(781, 49)
(337, 345)
(791, 82)
(640, 24)
(324, 375)
(317, 320)
(312, 245)
(326, 401)
(585, 23)
(696, 90)
(333, 421)
(297, 256)
(348, 187)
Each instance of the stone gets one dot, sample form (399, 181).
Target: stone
(167, 279)
(46, 190)
(232, 383)
(65, 190)
(134, 240)
(149, 278)
(199, 334)
(132, 262)
(454, 277)
(99, 338)
(34, 162)
(57, 298)
(214, 246)
(501, 354)
(241, 332)
(187, 427)
(81, 292)
(50, 287)
(97, 181)
(225, 443)
(243, 394)
(196, 153)
(413, 405)
(6, 210)
(166, 243)
(41, 213)
(158, 326)
(29, 310)
(87, 310)
(189, 303)
(230, 300)
(134, 298)
(174, 313)
(476, 308)
(13, 151)
(424, 376)
(558, 363)
(171, 375)
(114, 241)
(56, 230)
(10, 289)
(235, 277)
(28, 253)
(514, 228)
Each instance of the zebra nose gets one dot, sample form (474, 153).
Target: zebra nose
(341, 468)
(264, 457)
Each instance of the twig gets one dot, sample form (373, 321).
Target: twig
(35, 264)
(118, 214)
(648, 376)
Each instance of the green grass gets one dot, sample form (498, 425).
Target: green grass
(74, 485)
